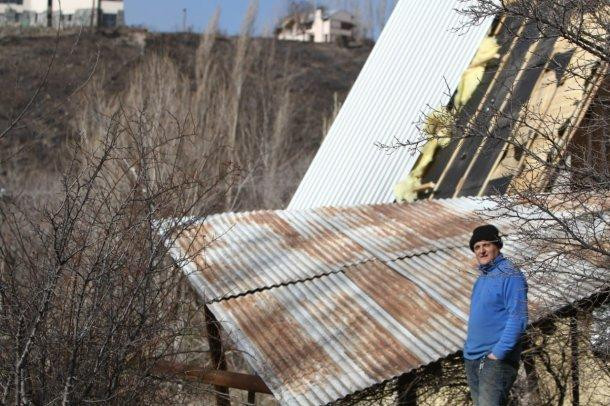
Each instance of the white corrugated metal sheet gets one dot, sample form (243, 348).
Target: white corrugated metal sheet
(326, 302)
(417, 59)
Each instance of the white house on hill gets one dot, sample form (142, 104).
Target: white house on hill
(319, 26)
(104, 13)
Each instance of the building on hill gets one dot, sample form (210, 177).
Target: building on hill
(68, 13)
(319, 26)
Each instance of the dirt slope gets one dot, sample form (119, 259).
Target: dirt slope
(318, 71)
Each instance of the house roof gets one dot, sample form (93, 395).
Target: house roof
(334, 13)
(539, 89)
(305, 18)
(326, 302)
(417, 57)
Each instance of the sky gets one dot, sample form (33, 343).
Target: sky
(167, 15)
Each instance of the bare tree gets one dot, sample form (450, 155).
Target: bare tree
(549, 148)
(91, 303)
(297, 8)
(563, 158)
(89, 300)
(559, 154)
(555, 152)
(582, 23)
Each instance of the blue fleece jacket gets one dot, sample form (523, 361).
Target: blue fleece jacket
(498, 312)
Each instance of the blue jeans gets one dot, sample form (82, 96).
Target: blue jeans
(490, 380)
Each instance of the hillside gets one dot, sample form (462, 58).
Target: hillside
(86, 66)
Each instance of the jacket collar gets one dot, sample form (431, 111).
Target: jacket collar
(492, 264)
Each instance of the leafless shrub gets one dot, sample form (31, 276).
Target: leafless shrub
(90, 301)
(242, 109)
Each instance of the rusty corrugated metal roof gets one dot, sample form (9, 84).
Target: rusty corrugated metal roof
(296, 245)
(326, 302)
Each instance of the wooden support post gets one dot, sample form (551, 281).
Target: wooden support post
(575, 367)
(218, 356)
(407, 390)
(199, 373)
(529, 364)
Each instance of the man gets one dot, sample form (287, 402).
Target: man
(498, 317)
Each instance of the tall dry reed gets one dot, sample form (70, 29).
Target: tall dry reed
(239, 107)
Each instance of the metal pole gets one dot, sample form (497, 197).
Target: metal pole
(99, 13)
(50, 13)
(92, 14)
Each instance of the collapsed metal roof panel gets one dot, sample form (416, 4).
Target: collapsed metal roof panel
(325, 338)
(337, 334)
(451, 292)
(289, 246)
(296, 245)
(417, 60)
(392, 231)
(319, 327)
(537, 92)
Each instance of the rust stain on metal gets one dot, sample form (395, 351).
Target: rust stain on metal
(459, 289)
(293, 354)
(194, 244)
(366, 342)
(403, 299)
(403, 229)
(191, 243)
(435, 218)
(291, 239)
(278, 226)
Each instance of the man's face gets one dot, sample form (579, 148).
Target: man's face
(485, 252)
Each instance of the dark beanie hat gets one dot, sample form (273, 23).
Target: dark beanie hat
(487, 232)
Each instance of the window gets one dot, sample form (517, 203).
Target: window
(346, 26)
(108, 20)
